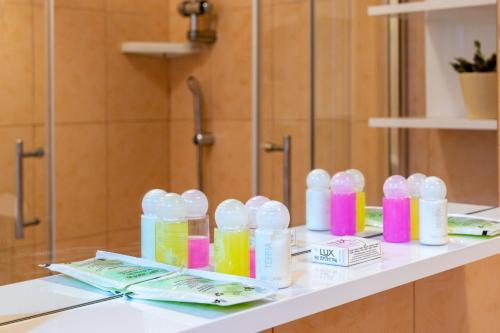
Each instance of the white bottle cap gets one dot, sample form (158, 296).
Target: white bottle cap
(231, 214)
(253, 205)
(396, 187)
(343, 183)
(433, 188)
(318, 179)
(196, 202)
(273, 216)
(150, 200)
(171, 207)
(414, 183)
(359, 179)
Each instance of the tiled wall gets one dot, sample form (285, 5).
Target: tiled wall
(224, 73)
(111, 130)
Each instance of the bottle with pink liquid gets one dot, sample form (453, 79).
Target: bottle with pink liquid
(343, 204)
(253, 205)
(199, 232)
(396, 210)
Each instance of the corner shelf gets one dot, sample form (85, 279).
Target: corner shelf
(160, 49)
(435, 123)
(426, 6)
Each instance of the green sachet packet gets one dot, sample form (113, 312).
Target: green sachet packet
(459, 224)
(109, 274)
(185, 287)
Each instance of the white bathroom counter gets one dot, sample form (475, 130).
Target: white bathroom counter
(315, 288)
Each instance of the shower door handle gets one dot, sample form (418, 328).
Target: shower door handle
(20, 156)
(286, 148)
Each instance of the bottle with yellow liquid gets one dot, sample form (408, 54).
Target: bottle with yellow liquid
(171, 231)
(359, 181)
(414, 183)
(232, 239)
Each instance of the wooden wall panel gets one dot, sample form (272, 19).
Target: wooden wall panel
(388, 311)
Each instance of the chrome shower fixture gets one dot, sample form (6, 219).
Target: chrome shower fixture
(200, 138)
(194, 9)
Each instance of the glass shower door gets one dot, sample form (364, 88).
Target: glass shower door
(23, 131)
(322, 72)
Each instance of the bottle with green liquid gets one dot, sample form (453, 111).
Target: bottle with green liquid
(171, 231)
(359, 181)
(232, 239)
(415, 181)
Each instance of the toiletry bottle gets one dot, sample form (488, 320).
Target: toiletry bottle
(396, 210)
(433, 212)
(414, 183)
(171, 231)
(148, 220)
(232, 243)
(198, 228)
(272, 239)
(359, 181)
(318, 200)
(253, 205)
(343, 205)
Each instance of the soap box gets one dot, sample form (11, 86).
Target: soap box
(346, 251)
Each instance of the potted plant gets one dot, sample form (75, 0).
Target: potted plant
(478, 79)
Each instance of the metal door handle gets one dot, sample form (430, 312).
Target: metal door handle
(286, 148)
(20, 155)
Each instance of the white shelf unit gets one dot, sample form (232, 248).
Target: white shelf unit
(435, 123)
(161, 49)
(451, 26)
(426, 6)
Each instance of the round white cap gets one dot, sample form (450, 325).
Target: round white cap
(359, 179)
(273, 216)
(343, 182)
(433, 188)
(171, 206)
(318, 179)
(196, 202)
(149, 201)
(253, 205)
(414, 183)
(231, 214)
(396, 187)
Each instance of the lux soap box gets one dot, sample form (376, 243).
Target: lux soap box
(346, 251)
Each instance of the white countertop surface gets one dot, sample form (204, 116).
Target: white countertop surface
(315, 288)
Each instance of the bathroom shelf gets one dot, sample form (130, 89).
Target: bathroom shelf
(426, 6)
(435, 123)
(161, 49)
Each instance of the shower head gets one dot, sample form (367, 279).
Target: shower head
(194, 86)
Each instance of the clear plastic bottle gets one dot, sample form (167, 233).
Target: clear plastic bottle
(171, 231)
(433, 212)
(272, 239)
(232, 241)
(253, 205)
(148, 220)
(318, 200)
(199, 229)
(414, 183)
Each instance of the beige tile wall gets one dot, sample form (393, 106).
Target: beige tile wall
(224, 73)
(112, 127)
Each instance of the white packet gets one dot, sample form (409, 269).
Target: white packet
(459, 224)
